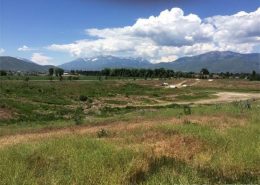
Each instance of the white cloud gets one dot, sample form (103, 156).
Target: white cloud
(170, 35)
(170, 28)
(41, 59)
(2, 51)
(25, 48)
(238, 28)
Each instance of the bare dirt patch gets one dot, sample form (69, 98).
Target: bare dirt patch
(225, 97)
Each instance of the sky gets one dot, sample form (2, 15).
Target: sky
(58, 31)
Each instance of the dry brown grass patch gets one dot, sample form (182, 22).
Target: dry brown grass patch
(179, 147)
(220, 121)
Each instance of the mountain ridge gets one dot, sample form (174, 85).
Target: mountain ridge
(214, 61)
(217, 61)
(101, 62)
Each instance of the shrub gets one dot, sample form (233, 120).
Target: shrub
(187, 110)
(102, 133)
(247, 104)
(156, 95)
(83, 98)
(78, 116)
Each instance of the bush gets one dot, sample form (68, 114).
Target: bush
(102, 133)
(78, 116)
(187, 110)
(247, 104)
(83, 98)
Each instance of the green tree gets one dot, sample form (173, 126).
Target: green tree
(59, 72)
(72, 72)
(253, 74)
(106, 72)
(204, 71)
(51, 71)
(3, 73)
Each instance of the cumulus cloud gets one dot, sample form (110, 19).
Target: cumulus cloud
(41, 59)
(170, 35)
(239, 28)
(170, 28)
(25, 48)
(2, 51)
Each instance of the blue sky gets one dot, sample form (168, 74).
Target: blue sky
(57, 31)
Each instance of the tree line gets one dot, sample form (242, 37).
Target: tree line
(164, 73)
(145, 73)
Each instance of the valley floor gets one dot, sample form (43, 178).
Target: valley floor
(129, 132)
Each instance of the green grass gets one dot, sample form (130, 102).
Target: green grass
(170, 171)
(82, 160)
(73, 160)
(229, 152)
(234, 152)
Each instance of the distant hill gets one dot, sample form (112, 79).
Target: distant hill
(217, 61)
(17, 64)
(101, 62)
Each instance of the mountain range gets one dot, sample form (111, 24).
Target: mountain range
(101, 62)
(215, 61)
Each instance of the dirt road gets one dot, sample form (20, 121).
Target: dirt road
(225, 97)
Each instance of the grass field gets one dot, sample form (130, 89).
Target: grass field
(129, 132)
